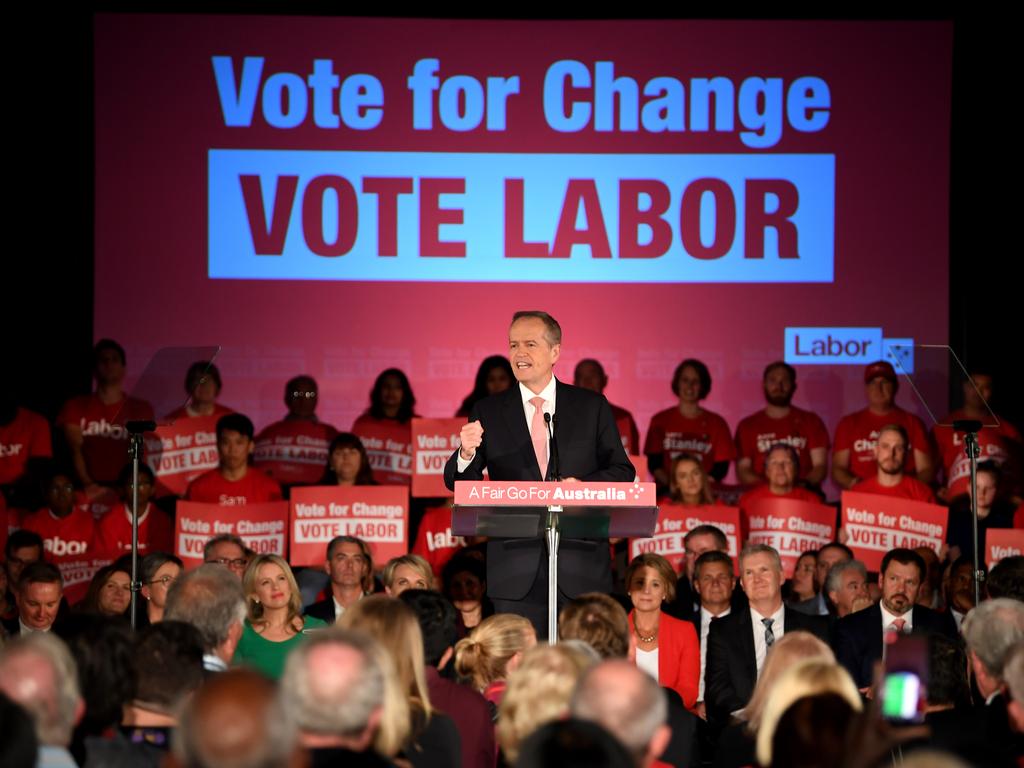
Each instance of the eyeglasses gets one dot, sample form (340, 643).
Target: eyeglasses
(165, 580)
(238, 563)
(300, 394)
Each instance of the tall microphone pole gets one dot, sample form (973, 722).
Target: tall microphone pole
(970, 428)
(135, 430)
(553, 469)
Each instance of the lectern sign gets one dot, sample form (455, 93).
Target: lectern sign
(526, 494)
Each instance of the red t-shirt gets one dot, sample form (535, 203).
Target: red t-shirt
(761, 492)
(213, 488)
(434, 540)
(105, 444)
(388, 444)
(294, 451)
(70, 544)
(706, 436)
(800, 429)
(26, 437)
(858, 434)
(180, 414)
(627, 430)
(908, 488)
(114, 532)
(992, 446)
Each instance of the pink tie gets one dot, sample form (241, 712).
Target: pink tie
(898, 624)
(539, 435)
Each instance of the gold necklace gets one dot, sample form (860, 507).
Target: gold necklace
(641, 638)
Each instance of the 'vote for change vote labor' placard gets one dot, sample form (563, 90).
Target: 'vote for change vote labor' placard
(675, 521)
(262, 527)
(377, 514)
(433, 441)
(875, 524)
(1002, 542)
(792, 527)
(178, 453)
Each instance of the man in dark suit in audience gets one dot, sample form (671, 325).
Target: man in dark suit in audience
(350, 569)
(859, 637)
(738, 643)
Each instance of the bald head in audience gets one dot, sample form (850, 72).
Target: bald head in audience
(628, 703)
(210, 599)
(235, 720)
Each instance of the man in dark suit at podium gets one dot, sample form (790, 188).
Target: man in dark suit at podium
(508, 436)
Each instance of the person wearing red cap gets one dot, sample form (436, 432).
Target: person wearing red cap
(853, 453)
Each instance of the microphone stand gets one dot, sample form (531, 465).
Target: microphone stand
(135, 431)
(554, 472)
(970, 429)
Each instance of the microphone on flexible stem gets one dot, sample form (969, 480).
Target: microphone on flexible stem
(553, 469)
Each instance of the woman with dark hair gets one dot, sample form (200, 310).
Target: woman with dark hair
(493, 376)
(465, 584)
(347, 462)
(687, 427)
(385, 427)
(202, 385)
(159, 572)
(109, 593)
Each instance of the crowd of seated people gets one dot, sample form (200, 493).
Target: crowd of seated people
(405, 662)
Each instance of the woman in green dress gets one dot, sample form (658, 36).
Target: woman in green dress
(274, 624)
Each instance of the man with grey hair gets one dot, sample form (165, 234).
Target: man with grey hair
(847, 587)
(991, 631)
(210, 598)
(227, 550)
(38, 672)
(336, 686)
(739, 642)
(627, 702)
(236, 720)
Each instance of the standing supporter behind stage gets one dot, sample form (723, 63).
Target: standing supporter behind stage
(889, 479)
(492, 652)
(234, 482)
(99, 445)
(780, 422)
(465, 583)
(468, 708)
(294, 450)
(24, 435)
(159, 571)
(349, 567)
(782, 467)
(994, 511)
(666, 648)
(274, 624)
(386, 427)
(997, 444)
(688, 428)
(64, 522)
(114, 530)
(853, 450)
(434, 740)
(589, 374)
(202, 385)
(406, 572)
(492, 377)
(347, 462)
(689, 484)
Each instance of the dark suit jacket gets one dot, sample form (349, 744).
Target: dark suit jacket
(589, 449)
(858, 638)
(323, 610)
(731, 666)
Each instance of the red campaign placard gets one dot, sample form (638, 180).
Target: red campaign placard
(77, 571)
(1002, 542)
(639, 463)
(875, 524)
(377, 514)
(178, 453)
(529, 494)
(433, 441)
(434, 539)
(389, 449)
(675, 521)
(263, 528)
(792, 527)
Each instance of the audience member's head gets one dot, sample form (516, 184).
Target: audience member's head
(169, 666)
(598, 620)
(392, 397)
(300, 397)
(573, 743)
(991, 630)
(691, 381)
(436, 617)
(209, 598)
(960, 584)
(628, 703)
(235, 432)
(538, 692)
(688, 483)
(22, 549)
(350, 563)
(781, 468)
(761, 577)
(492, 377)
(406, 572)
(159, 571)
(811, 733)
(829, 556)
(880, 385)
(347, 462)
(109, 593)
(227, 550)
(102, 648)
(697, 541)
(811, 677)
(779, 383)
(714, 581)
(203, 383)
(947, 672)
(266, 579)
(930, 593)
(494, 649)
(590, 374)
(38, 595)
(847, 587)
(900, 578)
(108, 363)
(38, 673)
(464, 579)
(788, 650)
(235, 720)
(891, 450)
(648, 570)
(342, 690)
(1007, 578)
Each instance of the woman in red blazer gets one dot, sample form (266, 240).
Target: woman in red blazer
(664, 644)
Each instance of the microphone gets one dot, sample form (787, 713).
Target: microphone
(553, 469)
